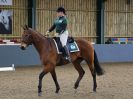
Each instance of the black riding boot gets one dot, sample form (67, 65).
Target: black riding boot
(64, 52)
(67, 53)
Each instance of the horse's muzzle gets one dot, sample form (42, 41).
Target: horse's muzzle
(23, 46)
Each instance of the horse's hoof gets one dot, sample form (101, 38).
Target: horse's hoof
(40, 94)
(76, 86)
(57, 90)
(94, 90)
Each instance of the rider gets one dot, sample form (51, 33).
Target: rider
(60, 24)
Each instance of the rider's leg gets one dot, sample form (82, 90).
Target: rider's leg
(67, 53)
(63, 39)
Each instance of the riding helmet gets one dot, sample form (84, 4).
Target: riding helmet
(61, 9)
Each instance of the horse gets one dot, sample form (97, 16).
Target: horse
(50, 58)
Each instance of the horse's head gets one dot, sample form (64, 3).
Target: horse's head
(26, 38)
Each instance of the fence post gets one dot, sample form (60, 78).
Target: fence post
(34, 14)
(100, 21)
(30, 13)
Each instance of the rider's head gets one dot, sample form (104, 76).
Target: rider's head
(61, 11)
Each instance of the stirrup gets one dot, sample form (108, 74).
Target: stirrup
(68, 58)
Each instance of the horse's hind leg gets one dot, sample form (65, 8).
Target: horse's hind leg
(80, 71)
(93, 72)
(53, 73)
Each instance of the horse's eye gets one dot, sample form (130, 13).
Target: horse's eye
(26, 35)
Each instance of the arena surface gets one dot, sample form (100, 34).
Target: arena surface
(117, 83)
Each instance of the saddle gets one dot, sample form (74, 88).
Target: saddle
(71, 44)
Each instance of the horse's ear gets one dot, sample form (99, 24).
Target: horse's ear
(25, 27)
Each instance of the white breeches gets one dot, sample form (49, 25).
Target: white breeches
(63, 38)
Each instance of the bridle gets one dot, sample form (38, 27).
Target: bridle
(26, 38)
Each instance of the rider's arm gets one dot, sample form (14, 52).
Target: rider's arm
(52, 28)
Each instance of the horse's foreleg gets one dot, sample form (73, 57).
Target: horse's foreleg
(53, 73)
(80, 71)
(40, 82)
(47, 68)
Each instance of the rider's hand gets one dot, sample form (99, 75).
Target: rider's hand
(55, 34)
(47, 33)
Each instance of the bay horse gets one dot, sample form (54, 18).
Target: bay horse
(49, 57)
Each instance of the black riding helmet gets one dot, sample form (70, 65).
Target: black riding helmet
(61, 9)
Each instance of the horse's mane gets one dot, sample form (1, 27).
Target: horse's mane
(43, 37)
(36, 32)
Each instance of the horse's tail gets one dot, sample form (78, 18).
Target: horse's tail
(98, 68)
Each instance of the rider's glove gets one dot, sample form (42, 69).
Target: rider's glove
(47, 33)
(55, 34)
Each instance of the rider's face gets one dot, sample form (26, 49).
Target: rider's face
(60, 14)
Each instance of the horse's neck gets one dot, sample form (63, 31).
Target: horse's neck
(39, 42)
